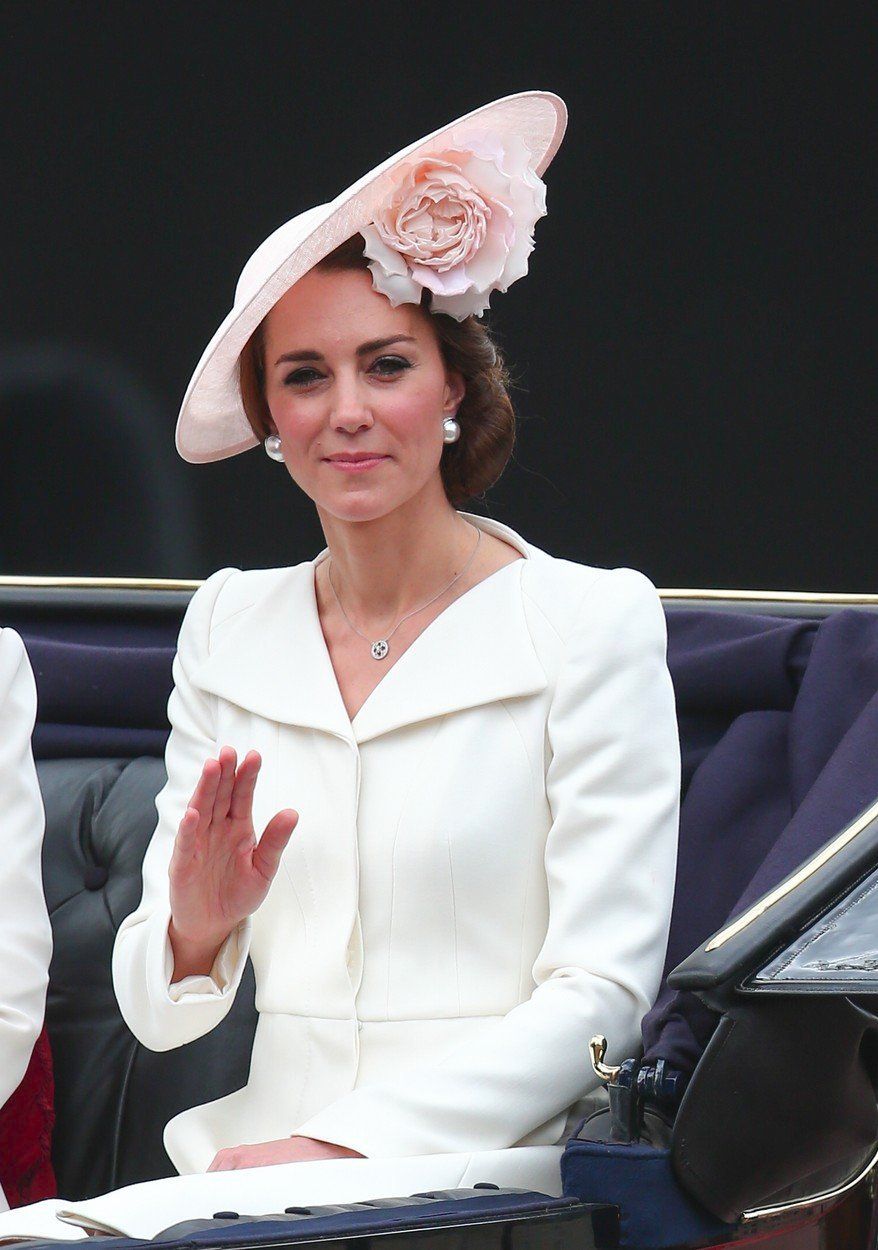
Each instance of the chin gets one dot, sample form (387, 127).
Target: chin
(366, 506)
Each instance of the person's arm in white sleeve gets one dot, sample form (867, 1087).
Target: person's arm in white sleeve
(25, 932)
(163, 1014)
(613, 785)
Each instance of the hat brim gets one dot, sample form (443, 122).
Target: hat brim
(212, 424)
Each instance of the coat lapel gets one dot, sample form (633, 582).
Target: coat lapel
(478, 650)
(271, 658)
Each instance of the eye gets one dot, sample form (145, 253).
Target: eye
(393, 364)
(301, 377)
(384, 366)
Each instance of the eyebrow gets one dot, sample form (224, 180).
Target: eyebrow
(363, 350)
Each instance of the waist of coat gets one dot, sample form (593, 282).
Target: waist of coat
(348, 1050)
(359, 1019)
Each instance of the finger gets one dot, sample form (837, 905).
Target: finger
(241, 803)
(187, 831)
(205, 792)
(228, 758)
(270, 847)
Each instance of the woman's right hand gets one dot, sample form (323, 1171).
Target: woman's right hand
(219, 874)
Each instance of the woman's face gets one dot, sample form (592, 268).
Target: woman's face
(346, 373)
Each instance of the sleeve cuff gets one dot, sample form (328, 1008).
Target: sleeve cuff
(224, 976)
(339, 1130)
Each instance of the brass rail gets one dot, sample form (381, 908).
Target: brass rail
(712, 594)
(98, 583)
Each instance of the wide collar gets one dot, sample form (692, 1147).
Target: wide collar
(272, 658)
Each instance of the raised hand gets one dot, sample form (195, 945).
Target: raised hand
(219, 873)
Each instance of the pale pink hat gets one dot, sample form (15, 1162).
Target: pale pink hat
(212, 424)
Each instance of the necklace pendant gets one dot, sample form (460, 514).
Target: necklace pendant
(379, 649)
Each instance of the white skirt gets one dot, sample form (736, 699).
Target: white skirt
(144, 1210)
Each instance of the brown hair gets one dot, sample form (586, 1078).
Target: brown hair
(475, 462)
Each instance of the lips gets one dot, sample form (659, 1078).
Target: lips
(353, 459)
(356, 464)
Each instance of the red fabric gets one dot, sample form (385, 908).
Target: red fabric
(26, 1123)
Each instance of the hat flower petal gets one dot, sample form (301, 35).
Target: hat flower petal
(459, 223)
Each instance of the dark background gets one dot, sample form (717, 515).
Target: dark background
(693, 345)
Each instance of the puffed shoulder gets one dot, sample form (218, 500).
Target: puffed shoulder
(229, 591)
(203, 610)
(622, 614)
(574, 597)
(623, 596)
(199, 621)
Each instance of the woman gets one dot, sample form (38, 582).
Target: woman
(25, 943)
(427, 781)
(461, 753)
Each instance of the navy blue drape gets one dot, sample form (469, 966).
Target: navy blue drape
(779, 725)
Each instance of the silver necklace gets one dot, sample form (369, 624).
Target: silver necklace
(379, 647)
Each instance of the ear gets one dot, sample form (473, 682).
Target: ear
(455, 389)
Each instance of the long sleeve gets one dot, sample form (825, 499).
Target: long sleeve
(25, 932)
(162, 1014)
(612, 783)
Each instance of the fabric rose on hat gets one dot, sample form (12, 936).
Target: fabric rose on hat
(459, 222)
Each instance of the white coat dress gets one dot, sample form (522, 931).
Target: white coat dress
(25, 932)
(481, 877)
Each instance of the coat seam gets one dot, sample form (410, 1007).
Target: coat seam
(530, 849)
(306, 928)
(212, 623)
(303, 1084)
(401, 817)
(539, 608)
(231, 616)
(453, 916)
(564, 638)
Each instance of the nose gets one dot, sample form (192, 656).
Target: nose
(351, 410)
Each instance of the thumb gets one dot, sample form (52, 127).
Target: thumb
(270, 847)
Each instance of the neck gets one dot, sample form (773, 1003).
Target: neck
(385, 567)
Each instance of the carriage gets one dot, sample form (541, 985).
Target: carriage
(750, 1116)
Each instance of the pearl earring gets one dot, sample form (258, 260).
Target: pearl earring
(451, 430)
(272, 447)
